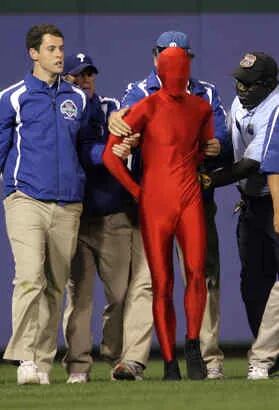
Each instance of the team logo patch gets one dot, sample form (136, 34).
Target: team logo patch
(81, 57)
(248, 61)
(173, 44)
(69, 109)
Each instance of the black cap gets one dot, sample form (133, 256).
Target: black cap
(254, 67)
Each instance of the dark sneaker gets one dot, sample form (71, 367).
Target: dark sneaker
(171, 370)
(196, 367)
(128, 370)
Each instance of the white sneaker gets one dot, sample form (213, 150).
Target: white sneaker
(43, 377)
(215, 373)
(257, 372)
(78, 378)
(27, 373)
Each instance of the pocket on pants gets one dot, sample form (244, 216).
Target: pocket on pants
(13, 199)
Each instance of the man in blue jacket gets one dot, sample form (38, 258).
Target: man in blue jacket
(211, 352)
(110, 243)
(40, 120)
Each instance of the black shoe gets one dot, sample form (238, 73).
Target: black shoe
(171, 370)
(274, 368)
(196, 367)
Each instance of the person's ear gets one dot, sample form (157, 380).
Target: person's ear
(33, 53)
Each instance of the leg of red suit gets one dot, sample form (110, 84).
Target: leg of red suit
(191, 236)
(158, 242)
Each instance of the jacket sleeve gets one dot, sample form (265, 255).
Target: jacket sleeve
(93, 146)
(221, 132)
(220, 124)
(270, 156)
(7, 124)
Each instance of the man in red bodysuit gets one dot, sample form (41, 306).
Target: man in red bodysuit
(174, 127)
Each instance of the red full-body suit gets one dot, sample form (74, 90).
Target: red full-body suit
(174, 127)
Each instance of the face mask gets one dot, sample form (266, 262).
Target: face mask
(250, 96)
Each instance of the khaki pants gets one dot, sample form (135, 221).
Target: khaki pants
(265, 349)
(113, 246)
(209, 334)
(43, 237)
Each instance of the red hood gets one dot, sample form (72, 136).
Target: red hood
(174, 70)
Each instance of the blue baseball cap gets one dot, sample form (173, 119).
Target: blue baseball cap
(76, 63)
(174, 39)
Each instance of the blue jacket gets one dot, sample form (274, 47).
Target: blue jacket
(140, 89)
(270, 156)
(103, 193)
(39, 139)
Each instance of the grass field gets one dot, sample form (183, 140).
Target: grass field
(233, 393)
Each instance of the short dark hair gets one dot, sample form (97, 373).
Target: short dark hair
(34, 36)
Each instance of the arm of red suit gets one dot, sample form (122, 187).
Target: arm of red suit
(118, 169)
(136, 118)
(206, 134)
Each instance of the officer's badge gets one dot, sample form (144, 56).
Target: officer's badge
(248, 61)
(69, 109)
(173, 44)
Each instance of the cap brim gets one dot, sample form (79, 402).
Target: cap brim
(246, 75)
(82, 67)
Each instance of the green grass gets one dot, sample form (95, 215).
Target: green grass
(233, 393)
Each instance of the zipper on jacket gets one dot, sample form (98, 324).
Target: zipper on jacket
(53, 101)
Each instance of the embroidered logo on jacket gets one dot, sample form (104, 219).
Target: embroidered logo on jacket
(69, 109)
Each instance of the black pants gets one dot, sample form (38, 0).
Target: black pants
(258, 246)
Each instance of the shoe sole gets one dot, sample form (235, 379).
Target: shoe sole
(257, 378)
(123, 376)
(31, 381)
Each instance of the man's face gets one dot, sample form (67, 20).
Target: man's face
(50, 57)
(85, 80)
(251, 95)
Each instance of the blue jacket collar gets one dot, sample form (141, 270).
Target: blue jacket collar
(196, 87)
(34, 84)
